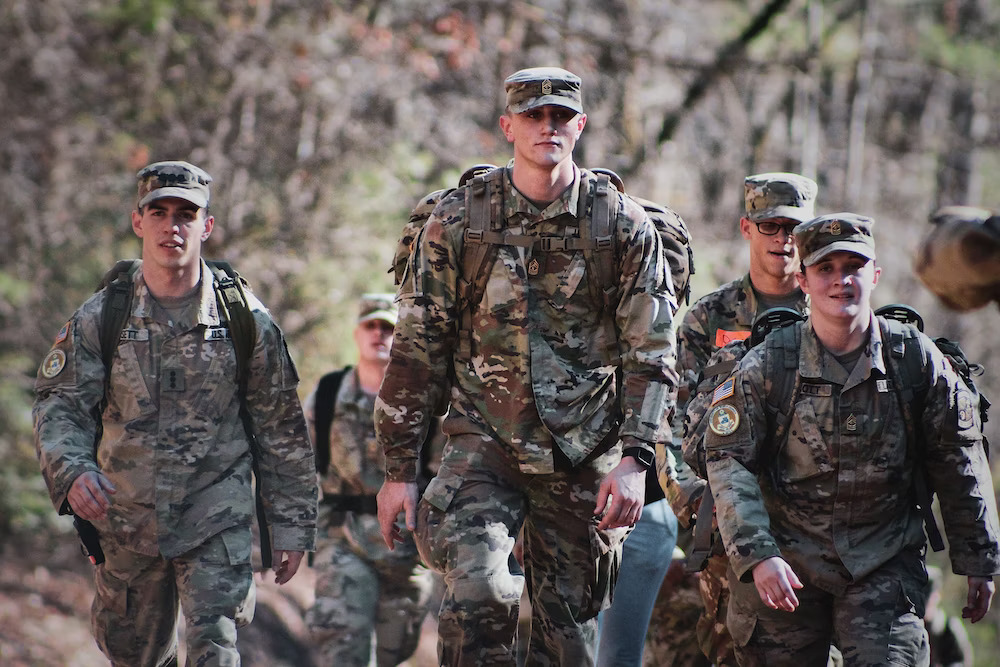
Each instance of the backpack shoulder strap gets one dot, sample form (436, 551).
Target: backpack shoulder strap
(781, 360)
(904, 355)
(324, 409)
(484, 213)
(235, 311)
(598, 241)
(116, 307)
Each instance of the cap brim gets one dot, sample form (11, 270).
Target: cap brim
(791, 212)
(855, 247)
(543, 100)
(194, 196)
(384, 315)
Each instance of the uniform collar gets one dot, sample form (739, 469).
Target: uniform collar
(208, 307)
(817, 363)
(516, 203)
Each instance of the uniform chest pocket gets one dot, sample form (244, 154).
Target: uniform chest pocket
(805, 454)
(212, 376)
(129, 397)
(563, 282)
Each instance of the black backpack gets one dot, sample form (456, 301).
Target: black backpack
(324, 411)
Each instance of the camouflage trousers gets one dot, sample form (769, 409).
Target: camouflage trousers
(358, 600)
(672, 640)
(876, 621)
(134, 615)
(467, 523)
(713, 636)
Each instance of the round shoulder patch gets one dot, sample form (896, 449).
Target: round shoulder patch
(53, 364)
(724, 420)
(966, 414)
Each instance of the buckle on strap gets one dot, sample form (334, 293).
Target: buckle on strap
(551, 243)
(604, 242)
(473, 235)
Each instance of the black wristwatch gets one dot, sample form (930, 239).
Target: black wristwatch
(645, 457)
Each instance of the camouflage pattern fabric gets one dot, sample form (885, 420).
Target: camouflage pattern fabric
(175, 448)
(536, 377)
(362, 588)
(467, 523)
(213, 582)
(847, 425)
(713, 321)
(877, 621)
(672, 640)
(536, 390)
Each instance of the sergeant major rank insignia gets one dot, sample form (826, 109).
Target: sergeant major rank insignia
(546, 87)
(724, 420)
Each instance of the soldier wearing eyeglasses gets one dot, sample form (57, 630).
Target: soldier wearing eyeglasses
(775, 204)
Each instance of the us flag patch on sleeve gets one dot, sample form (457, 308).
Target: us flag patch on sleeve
(724, 390)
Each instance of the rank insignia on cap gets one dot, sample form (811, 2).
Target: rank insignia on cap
(724, 390)
(63, 333)
(53, 364)
(546, 87)
(835, 227)
(724, 420)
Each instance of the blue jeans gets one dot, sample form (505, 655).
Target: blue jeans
(645, 559)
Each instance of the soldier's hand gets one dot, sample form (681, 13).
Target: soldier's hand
(775, 582)
(626, 485)
(286, 565)
(981, 591)
(88, 496)
(393, 498)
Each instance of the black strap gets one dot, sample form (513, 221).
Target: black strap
(702, 544)
(324, 408)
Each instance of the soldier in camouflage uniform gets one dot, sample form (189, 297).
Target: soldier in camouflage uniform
(362, 588)
(774, 203)
(959, 259)
(821, 528)
(537, 424)
(168, 487)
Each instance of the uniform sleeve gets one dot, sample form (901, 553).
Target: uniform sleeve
(959, 471)
(737, 422)
(423, 343)
(682, 488)
(646, 331)
(68, 390)
(285, 455)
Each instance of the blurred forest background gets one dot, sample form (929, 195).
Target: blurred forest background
(322, 123)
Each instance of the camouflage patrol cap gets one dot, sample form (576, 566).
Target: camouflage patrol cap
(538, 86)
(378, 306)
(173, 179)
(828, 234)
(779, 195)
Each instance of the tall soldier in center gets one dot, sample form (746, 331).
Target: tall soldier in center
(539, 297)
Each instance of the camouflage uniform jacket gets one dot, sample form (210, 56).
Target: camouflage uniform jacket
(174, 445)
(707, 326)
(536, 378)
(840, 504)
(357, 467)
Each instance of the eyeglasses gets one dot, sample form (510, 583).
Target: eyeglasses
(381, 326)
(768, 228)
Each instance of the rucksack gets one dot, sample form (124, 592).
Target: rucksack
(674, 235)
(234, 311)
(904, 355)
(324, 411)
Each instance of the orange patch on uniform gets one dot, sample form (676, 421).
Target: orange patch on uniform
(723, 337)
